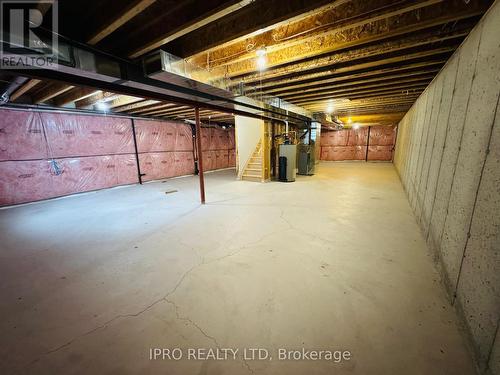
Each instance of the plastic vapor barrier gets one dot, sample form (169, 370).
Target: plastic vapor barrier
(353, 144)
(48, 154)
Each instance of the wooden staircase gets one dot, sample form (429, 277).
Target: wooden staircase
(254, 170)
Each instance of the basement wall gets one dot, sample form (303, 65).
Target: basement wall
(448, 159)
(353, 144)
(48, 154)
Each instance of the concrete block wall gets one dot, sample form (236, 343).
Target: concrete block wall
(448, 158)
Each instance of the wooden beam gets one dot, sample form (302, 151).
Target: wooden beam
(300, 42)
(383, 62)
(121, 100)
(51, 91)
(135, 106)
(371, 53)
(129, 13)
(149, 106)
(132, 11)
(253, 18)
(327, 32)
(24, 89)
(164, 111)
(376, 94)
(74, 95)
(357, 82)
(91, 100)
(426, 66)
(192, 25)
(363, 87)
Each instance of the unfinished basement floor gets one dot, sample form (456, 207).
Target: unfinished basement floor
(335, 261)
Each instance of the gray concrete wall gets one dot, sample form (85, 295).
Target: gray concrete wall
(448, 159)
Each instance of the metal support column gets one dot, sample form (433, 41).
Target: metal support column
(200, 154)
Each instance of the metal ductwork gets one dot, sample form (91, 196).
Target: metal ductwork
(79, 64)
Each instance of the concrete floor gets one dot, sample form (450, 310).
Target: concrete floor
(335, 262)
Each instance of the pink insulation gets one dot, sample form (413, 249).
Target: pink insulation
(351, 144)
(184, 163)
(184, 138)
(154, 136)
(383, 136)
(45, 155)
(27, 181)
(71, 135)
(380, 153)
(218, 148)
(160, 144)
(157, 165)
(21, 136)
(205, 138)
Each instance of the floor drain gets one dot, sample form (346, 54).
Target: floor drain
(170, 191)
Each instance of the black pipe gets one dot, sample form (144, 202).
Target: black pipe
(139, 174)
(368, 143)
(195, 149)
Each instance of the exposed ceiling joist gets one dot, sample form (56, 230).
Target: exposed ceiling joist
(192, 25)
(129, 13)
(51, 91)
(93, 99)
(122, 100)
(27, 86)
(406, 70)
(135, 106)
(253, 18)
(74, 95)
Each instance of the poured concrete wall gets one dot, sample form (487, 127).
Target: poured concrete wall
(448, 158)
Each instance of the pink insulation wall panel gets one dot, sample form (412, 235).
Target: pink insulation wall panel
(351, 144)
(205, 138)
(50, 154)
(157, 165)
(232, 158)
(382, 136)
(72, 135)
(357, 137)
(359, 153)
(380, 153)
(93, 173)
(218, 148)
(184, 138)
(21, 136)
(24, 181)
(184, 163)
(155, 136)
(28, 181)
(210, 160)
(230, 139)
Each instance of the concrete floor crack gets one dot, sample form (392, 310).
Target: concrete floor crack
(186, 319)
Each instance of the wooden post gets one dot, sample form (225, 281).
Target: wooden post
(200, 154)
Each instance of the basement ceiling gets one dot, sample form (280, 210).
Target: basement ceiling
(363, 59)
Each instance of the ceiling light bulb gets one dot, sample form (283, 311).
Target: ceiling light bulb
(261, 52)
(102, 106)
(349, 120)
(261, 58)
(355, 126)
(261, 62)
